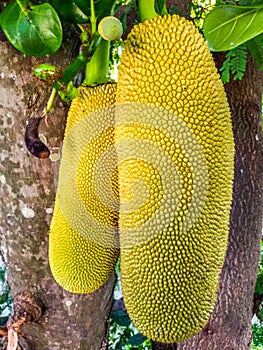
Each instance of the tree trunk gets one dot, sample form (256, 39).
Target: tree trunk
(27, 186)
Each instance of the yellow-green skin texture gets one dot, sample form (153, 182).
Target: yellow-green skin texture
(82, 243)
(170, 267)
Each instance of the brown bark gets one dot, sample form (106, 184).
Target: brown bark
(182, 6)
(162, 346)
(27, 190)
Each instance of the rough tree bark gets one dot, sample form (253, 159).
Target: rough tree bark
(27, 190)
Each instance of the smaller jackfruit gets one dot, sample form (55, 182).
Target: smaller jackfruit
(110, 28)
(82, 241)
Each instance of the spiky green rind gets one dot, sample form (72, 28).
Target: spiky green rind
(82, 241)
(181, 147)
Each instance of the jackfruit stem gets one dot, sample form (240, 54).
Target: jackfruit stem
(93, 18)
(147, 9)
(50, 101)
(97, 70)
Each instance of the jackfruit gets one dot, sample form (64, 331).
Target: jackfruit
(83, 246)
(175, 150)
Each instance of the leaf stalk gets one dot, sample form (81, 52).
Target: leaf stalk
(147, 9)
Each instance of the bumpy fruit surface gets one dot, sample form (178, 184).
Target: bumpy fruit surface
(175, 166)
(82, 242)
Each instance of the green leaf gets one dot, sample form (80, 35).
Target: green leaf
(259, 284)
(3, 320)
(2, 275)
(235, 63)
(102, 7)
(239, 61)
(255, 46)
(70, 93)
(34, 30)
(174, 10)
(78, 11)
(137, 339)
(70, 11)
(226, 27)
(4, 297)
(121, 317)
(160, 7)
(48, 72)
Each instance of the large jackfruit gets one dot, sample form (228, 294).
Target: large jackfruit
(82, 241)
(175, 166)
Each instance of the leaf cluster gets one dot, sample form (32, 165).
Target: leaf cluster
(123, 335)
(236, 59)
(234, 64)
(257, 337)
(235, 27)
(37, 29)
